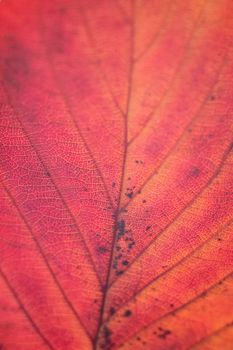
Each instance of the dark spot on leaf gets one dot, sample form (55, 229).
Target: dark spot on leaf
(120, 272)
(112, 311)
(195, 172)
(102, 250)
(130, 194)
(106, 338)
(120, 229)
(131, 244)
(163, 333)
(125, 262)
(127, 313)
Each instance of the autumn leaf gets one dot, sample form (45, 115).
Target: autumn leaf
(116, 175)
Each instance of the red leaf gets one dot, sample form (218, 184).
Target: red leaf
(116, 175)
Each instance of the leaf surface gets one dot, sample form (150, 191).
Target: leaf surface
(116, 175)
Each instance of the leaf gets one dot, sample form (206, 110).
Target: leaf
(116, 175)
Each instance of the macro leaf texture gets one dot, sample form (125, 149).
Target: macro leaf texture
(116, 133)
